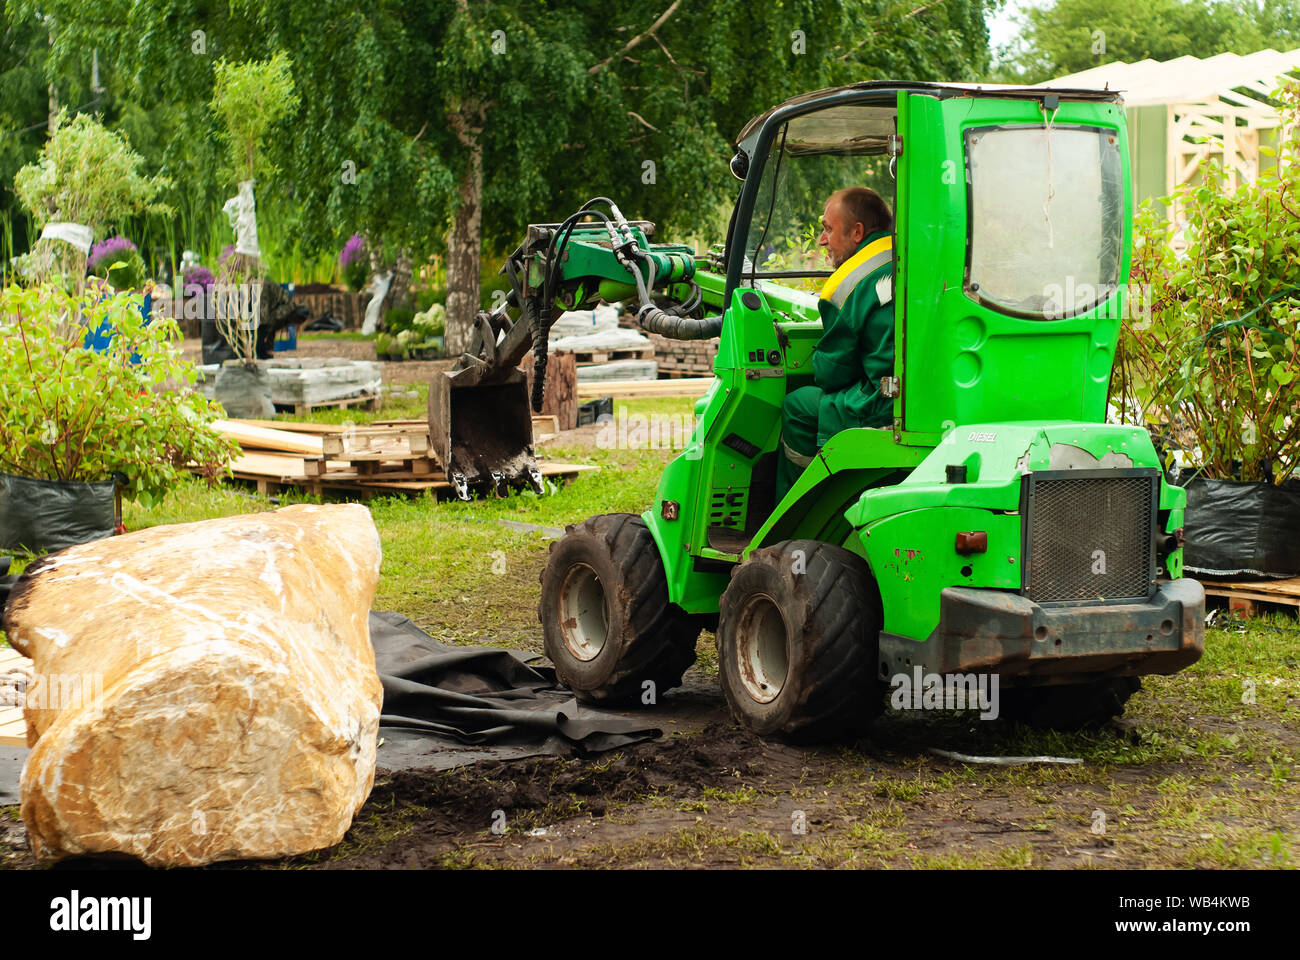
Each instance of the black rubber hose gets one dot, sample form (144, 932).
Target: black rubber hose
(654, 320)
(541, 349)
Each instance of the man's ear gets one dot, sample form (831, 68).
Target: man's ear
(859, 232)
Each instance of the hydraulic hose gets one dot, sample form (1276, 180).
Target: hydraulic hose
(654, 320)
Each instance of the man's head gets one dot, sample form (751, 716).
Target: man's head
(851, 214)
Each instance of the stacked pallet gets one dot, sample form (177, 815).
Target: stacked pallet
(383, 458)
(302, 385)
(684, 358)
(1245, 597)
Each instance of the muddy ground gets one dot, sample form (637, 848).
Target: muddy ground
(716, 797)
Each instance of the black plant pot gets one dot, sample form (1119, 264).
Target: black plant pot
(49, 515)
(1242, 531)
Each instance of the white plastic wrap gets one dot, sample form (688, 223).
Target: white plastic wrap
(74, 233)
(241, 209)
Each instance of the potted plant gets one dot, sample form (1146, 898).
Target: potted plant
(1215, 367)
(85, 178)
(249, 98)
(81, 426)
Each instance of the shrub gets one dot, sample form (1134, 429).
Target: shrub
(1217, 364)
(76, 414)
(84, 174)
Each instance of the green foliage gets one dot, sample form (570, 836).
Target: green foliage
(87, 174)
(250, 98)
(431, 322)
(1218, 361)
(399, 319)
(125, 272)
(76, 414)
(410, 334)
(1072, 35)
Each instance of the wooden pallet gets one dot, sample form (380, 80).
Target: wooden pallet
(1244, 595)
(587, 357)
(682, 387)
(380, 484)
(13, 728)
(367, 401)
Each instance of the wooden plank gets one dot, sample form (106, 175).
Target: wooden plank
(681, 387)
(1269, 591)
(395, 442)
(262, 438)
(14, 735)
(314, 428)
(270, 466)
(10, 657)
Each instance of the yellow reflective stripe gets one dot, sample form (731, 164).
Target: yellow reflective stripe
(853, 262)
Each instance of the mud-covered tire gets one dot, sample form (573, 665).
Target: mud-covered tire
(1073, 706)
(798, 634)
(605, 614)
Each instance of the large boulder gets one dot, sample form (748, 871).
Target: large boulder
(201, 692)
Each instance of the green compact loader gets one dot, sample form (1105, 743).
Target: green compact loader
(1002, 527)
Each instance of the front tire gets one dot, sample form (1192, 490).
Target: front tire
(797, 639)
(606, 619)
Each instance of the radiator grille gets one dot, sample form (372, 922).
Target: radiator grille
(1089, 538)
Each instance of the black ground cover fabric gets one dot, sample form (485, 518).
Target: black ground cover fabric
(446, 705)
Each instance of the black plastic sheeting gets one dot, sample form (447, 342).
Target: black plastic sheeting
(446, 705)
(48, 515)
(1242, 530)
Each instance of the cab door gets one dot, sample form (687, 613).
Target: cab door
(1013, 257)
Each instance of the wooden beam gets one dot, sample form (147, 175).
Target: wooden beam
(262, 438)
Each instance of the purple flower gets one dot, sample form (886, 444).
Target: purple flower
(353, 250)
(110, 250)
(201, 276)
(226, 253)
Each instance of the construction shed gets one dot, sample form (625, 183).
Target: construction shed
(1182, 110)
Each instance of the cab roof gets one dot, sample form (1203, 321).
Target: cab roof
(871, 90)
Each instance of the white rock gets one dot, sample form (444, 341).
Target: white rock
(215, 696)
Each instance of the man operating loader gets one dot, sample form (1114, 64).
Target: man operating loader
(857, 344)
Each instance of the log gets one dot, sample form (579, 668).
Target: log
(560, 397)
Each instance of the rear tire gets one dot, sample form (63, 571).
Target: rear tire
(606, 619)
(1073, 706)
(798, 633)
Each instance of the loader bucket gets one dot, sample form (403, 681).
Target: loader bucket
(482, 433)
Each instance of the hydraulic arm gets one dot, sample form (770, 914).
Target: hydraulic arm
(479, 419)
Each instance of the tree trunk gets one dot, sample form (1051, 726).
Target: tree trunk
(464, 243)
(399, 294)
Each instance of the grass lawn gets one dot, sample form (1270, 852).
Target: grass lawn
(452, 567)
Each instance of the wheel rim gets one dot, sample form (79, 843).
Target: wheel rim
(584, 619)
(761, 659)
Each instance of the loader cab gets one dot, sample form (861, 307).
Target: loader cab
(1012, 209)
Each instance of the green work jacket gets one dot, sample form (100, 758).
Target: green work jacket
(857, 344)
